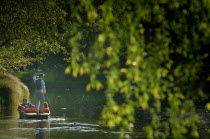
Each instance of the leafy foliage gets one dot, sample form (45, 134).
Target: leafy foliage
(151, 52)
(30, 30)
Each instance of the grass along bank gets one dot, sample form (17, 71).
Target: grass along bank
(12, 90)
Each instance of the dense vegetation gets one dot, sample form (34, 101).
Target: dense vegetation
(151, 54)
(12, 91)
(29, 32)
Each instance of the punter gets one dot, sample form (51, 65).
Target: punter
(40, 91)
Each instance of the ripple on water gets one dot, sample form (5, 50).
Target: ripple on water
(25, 129)
(68, 126)
(56, 119)
(77, 124)
(44, 120)
(9, 137)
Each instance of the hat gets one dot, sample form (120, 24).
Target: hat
(41, 75)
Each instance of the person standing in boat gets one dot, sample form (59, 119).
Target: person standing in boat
(40, 91)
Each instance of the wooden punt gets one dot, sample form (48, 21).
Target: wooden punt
(24, 115)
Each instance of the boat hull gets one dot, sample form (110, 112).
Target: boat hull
(24, 115)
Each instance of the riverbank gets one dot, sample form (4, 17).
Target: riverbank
(12, 90)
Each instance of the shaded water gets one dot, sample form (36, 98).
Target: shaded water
(75, 115)
(57, 128)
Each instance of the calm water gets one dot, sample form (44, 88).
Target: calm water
(57, 128)
(75, 115)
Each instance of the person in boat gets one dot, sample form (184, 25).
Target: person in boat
(46, 105)
(40, 91)
(25, 104)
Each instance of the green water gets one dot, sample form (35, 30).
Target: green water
(75, 115)
(56, 128)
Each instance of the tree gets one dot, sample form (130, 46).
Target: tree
(30, 30)
(153, 53)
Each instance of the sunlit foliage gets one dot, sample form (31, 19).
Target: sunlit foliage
(30, 30)
(152, 53)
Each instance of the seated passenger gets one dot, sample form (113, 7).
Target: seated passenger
(46, 105)
(46, 108)
(25, 104)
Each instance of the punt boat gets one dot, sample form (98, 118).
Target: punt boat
(33, 115)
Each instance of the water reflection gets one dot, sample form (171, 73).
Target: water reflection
(40, 127)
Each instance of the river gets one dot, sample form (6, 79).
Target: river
(75, 114)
